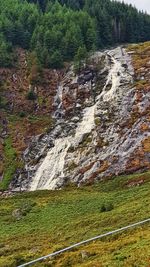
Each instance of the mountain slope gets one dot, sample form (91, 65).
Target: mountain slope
(101, 124)
(59, 97)
(57, 31)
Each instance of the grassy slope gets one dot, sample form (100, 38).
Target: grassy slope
(49, 221)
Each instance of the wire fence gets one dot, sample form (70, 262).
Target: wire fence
(84, 242)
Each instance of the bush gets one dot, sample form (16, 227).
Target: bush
(31, 95)
(105, 207)
(26, 207)
(22, 114)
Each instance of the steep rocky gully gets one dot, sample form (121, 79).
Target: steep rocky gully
(102, 127)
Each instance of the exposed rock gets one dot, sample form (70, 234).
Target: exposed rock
(75, 119)
(17, 214)
(84, 255)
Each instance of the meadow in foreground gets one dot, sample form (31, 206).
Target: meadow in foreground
(35, 224)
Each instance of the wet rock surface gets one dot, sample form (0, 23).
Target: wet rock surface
(102, 128)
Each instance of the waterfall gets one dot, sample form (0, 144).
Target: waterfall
(58, 103)
(52, 166)
(50, 174)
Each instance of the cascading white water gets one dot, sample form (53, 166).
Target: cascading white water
(58, 102)
(50, 174)
(114, 79)
(86, 125)
(52, 166)
(116, 73)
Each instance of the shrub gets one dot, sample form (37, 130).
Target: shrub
(31, 95)
(22, 114)
(26, 207)
(106, 207)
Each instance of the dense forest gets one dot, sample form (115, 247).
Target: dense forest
(59, 31)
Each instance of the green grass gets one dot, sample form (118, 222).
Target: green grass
(37, 223)
(10, 163)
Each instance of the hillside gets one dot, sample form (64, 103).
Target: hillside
(96, 122)
(74, 132)
(37, 223)
(22, 115)
(93, 105)
(60, 31)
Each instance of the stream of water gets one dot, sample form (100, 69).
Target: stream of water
(50, 173)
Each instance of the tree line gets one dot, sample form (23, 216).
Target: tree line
(59, 31)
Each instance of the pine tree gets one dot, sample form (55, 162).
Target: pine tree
(56, 60)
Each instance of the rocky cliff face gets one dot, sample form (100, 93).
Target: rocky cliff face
(102, 126)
